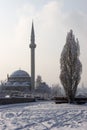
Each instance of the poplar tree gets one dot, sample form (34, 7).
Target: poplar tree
(71, 66)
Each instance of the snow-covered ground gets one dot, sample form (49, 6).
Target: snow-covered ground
(43, 116)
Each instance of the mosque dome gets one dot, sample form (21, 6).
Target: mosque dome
(18, 78)
(19, 73)
(18, 81)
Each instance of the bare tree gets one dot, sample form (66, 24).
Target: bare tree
(56, 90)
(71, 66)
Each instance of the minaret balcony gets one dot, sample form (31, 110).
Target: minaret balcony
(32, 45)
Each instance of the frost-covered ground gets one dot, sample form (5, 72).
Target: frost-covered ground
(43, 116)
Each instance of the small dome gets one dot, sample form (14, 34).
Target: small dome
(26, 84)
(16, 84)
(19, 73)
(8, 84)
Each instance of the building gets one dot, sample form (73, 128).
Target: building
(20, 81)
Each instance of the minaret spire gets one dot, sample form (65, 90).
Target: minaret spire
(32, 47)
(32, 33)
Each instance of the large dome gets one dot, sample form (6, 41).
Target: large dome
(19, 78)
(19, 73)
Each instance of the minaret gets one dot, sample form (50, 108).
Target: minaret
(32, 47)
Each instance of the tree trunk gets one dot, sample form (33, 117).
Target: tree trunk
(71, 98)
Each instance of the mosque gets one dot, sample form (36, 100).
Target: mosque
(20, 81)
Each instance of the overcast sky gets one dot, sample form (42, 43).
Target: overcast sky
(52, 20)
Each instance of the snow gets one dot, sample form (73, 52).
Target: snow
(43, 116)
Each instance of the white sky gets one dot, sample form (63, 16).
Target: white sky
(52, 20)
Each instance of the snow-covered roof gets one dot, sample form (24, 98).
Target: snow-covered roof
(19, 73)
